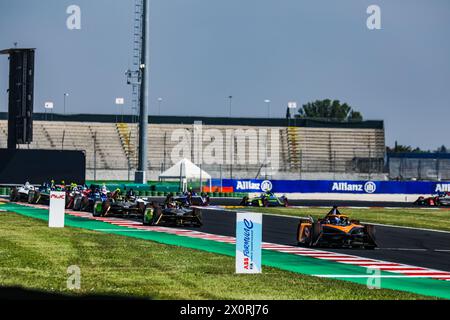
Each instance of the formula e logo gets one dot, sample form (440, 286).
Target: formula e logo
(266, 185)
(248, 244)
(370, 187)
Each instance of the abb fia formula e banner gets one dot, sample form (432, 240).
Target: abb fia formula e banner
(248, 242)
(57, 208)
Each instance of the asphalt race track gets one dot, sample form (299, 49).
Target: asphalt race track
(322, 203)
(407, 246)
(312, 203)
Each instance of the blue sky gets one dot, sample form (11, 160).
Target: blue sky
(202, 51)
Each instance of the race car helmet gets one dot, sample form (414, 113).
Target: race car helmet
(335, 220)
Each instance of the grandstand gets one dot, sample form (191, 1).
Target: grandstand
(252, 148)
(418, 166)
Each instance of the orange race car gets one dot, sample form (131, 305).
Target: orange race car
(335, 230)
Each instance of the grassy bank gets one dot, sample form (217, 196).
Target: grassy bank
(36, 257)
(417, 218)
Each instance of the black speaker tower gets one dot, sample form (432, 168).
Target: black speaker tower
(21, 90)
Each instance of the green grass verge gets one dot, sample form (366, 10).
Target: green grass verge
(37, 257)
(417, 218)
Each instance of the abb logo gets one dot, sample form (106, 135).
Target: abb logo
(58, 197)
(246, 263)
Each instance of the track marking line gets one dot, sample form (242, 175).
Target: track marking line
(119, 230)
(404, 227)
(403, 249)
(365, 276)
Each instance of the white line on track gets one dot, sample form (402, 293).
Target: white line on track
(403, 249)
(404, 227)
(120, 230)
(367, 276)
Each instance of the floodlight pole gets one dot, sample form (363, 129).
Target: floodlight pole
(140, 176)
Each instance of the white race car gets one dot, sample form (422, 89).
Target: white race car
(21, 194)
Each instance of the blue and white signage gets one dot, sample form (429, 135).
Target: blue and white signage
(367, 187)
(248, 242)
(253, 185)
(266, 186)
(330, 186)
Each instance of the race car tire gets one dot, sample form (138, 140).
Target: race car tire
(98, 209)
(307, 243)
(316, 233)
(31, 196)
(157, 213)
(265, 202)
(84, 205)
(149, 222)
(77, 204)
(14, 195)
(437, 202)
(37, 197)
(370, 241)
(244, 201)
(142, 207)
(199, 215)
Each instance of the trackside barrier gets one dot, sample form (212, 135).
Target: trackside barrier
(337, 186)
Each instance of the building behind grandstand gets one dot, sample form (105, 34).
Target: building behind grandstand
(224, 147)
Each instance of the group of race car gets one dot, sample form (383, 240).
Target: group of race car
(175, 211)
(334, 230)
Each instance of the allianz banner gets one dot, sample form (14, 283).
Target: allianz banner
(338, 186)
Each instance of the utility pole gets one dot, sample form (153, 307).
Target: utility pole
(144, 68)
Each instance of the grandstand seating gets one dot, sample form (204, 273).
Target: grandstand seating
(307, 149)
